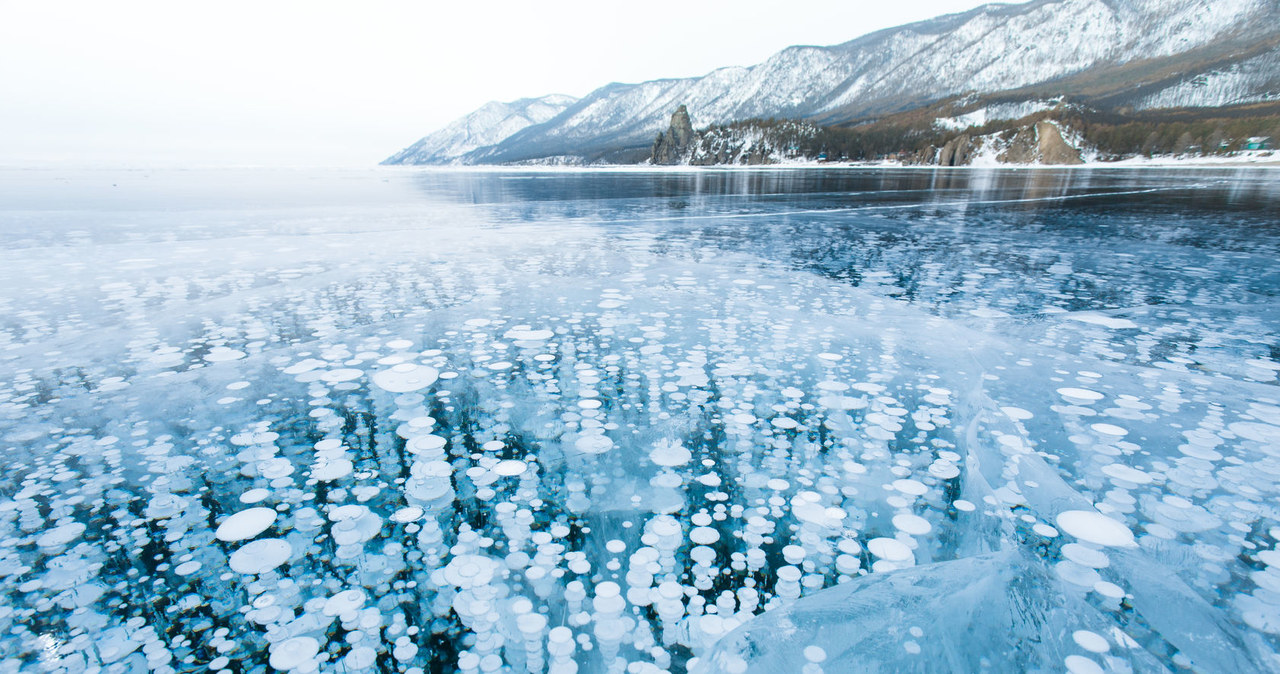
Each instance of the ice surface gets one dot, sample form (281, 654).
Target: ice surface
(730, 421)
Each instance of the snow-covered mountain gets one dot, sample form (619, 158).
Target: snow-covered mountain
(1251, 80)
(491, 124)
(993, 48)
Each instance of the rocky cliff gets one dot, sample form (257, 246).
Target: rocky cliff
(672, 146)
(1039, 143)
(957, 152)
(747, 143)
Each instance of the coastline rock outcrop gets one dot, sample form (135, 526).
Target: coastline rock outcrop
(958, 151)
(1041, 144)
(672, 146)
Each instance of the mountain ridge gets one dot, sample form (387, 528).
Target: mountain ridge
(986, 50)
(490, 124)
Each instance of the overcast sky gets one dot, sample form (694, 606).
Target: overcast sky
(124, 82)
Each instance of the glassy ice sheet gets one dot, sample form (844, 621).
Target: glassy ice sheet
(742, 421)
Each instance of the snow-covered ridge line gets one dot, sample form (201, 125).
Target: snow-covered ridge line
(487, 126)
(989, 49)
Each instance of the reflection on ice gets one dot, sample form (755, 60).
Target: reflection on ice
(643, 422)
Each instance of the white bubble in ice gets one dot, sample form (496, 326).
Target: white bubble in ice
(1086, 556)
(333, 469)
(295, 653)
(424, 444)
(913, 525)
(944, 470)
(1257, 432)
(468, 571)
(1125, 473)
(406, 377)
(1044, 530)
(1079, 396)
(245, 524)
(670, 453)
(664, 526)
(1091, 641)
(793, 554)
(342, 374)
(704, 535)
(407, 514)
(1017, 413)
(1108, 589)
(510, 467)
(1094, 527)
(560, 635)
(1109, 430)
(344, 602)
(889, 549)
(219, 354)
(60, 535)
(260, 556)
(1264, 619)
(255, 495)
(593, 443)
(531, 624)
(1078, 664)
(274, 468)
(528, 335)
(360, 659)
(910, 487)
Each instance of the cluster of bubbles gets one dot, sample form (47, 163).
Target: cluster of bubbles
(516, 456)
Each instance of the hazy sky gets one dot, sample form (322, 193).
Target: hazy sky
(125, 82)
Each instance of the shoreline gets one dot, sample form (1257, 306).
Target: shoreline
(1126, 165)
(813, 166)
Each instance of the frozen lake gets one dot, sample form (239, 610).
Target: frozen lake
(715, 421)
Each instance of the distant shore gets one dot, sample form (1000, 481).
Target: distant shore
(1272, 162)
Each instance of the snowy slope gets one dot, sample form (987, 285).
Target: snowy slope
(1006, 47)
(992, 113)
(1250, 81)
(491, 124)
(992, 48)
